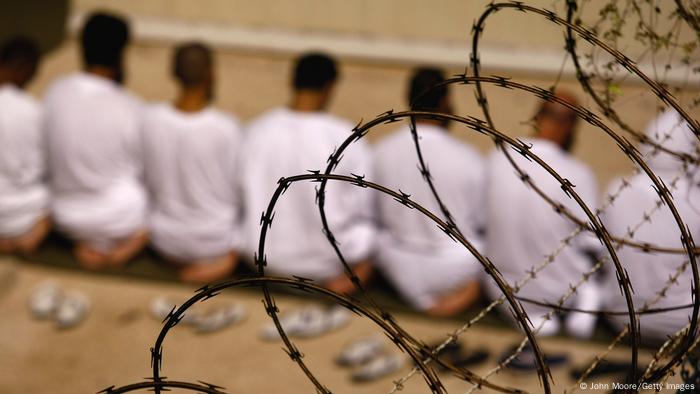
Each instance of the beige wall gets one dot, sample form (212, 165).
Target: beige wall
(447, 20)
(251, 82)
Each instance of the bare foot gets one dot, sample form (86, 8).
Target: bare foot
(343, 285)
(6, 246)
(207, 271)
(457, 301)
(89, 258)
(340, 285)
(30, 241)
(127, 249)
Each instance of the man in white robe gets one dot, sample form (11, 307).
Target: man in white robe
(290, 141)
(432, 271)
(190, 159)
(649, 273)
(24, 196)
(93, 132)
(523, 228)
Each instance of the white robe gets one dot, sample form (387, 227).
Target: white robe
(94, 143)
(282, 143)
(523, 228)
(191, 167)
(24, 196)
(649, 272)
(415, 255)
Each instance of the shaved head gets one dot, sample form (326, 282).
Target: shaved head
(548, 106)
(192, 65)
(19, 59)
(557, 122)
(422, 80)
(314, 71)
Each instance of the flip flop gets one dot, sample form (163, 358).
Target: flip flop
(161, 307)
(331, 319)
(451, 348)
(220, 318)
(45, 299)
(455, 354)
(72, 310)
(378, 368)
(291, 322)
(525, 361)
(360, 351)
(462, 359)
(308, 322)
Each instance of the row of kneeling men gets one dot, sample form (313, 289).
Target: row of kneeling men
(114, 174)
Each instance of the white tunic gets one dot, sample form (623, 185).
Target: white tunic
(649, 272)
(23, 194)
(191, 162)
(416, 255)
(283, 143)
(523, 228)
(94, 146)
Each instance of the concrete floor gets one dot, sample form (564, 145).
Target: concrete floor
(112, 346)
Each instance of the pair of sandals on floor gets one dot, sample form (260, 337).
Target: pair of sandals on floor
(69, 308)
(369, 358)
(66, 308)
(215, 319)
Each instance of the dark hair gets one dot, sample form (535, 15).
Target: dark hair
(19, 50)
(314, 71)
(192, 63)
(548, 109)
(422, 80)
(104, 37)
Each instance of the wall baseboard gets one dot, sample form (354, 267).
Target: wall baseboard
(540, 62)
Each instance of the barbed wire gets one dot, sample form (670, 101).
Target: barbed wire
(559, 306)
(359, 181)
(687, 16)
(385, 321)
(604, 105)
(626, 147)
(644, 310)
(692, 377)
(532, 274)
(423, 355)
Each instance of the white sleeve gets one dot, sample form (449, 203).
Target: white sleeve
(237, 196)
(40, 151)
(352, 221)
(144, 124)
(587, 189)
(358, 161)
(467, 202)
(479, 193)
(236, 162)
(136, 148)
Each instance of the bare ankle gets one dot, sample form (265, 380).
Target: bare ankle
(6, 246)
(90, 258)
(128, 249)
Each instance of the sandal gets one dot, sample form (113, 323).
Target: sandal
(308, 322)
(219, 318)
(525, 361)
(45, 300)
(378, 368)
(162, 307)
(72, 310)
(360, 351)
